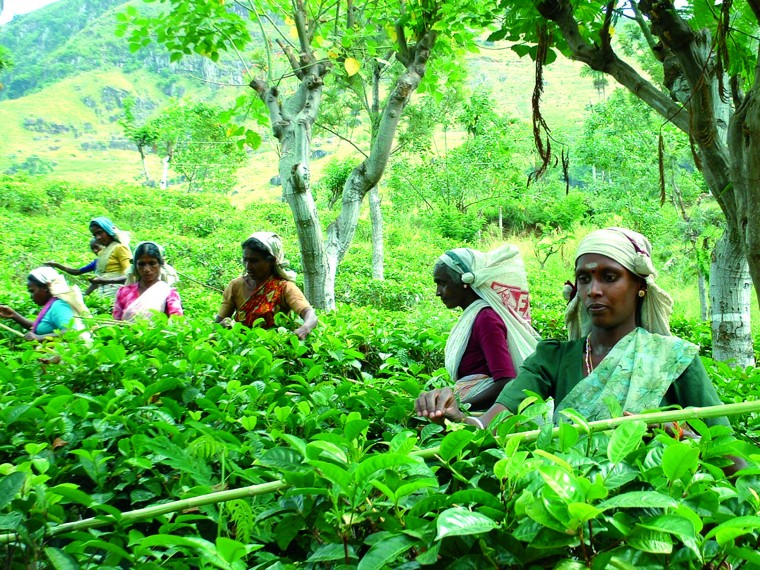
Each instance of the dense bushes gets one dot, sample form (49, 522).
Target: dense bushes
(148, 414)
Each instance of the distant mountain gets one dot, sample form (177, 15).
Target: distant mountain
(61, 102)
(75, 36)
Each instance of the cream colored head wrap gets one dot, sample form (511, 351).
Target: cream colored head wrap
(634, 252)
(60, 289)
(273, 243)
(499, 278)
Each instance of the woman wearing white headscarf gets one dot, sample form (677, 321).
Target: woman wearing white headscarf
(266, 288)
(493, 336)
(619, 356)
(62, 305)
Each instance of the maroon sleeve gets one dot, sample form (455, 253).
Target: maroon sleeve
(490, 332)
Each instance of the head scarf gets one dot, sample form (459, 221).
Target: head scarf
(168, 274)
(108, 226)
(499, 278)
(60, 289)
(634, 252)
(273, 243)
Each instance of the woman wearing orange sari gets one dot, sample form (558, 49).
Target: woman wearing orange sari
(266, 288)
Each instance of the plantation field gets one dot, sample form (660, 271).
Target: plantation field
(334, 470)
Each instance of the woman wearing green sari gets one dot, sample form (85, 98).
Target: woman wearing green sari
(619, 354)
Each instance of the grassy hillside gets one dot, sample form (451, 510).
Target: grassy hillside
(74, 74)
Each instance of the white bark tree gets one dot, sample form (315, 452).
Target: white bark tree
(412, 31)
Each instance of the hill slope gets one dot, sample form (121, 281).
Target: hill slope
(65, 95)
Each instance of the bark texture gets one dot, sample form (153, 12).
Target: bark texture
(378, 252)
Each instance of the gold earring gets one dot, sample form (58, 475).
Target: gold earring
(466, 286)
(642, 292)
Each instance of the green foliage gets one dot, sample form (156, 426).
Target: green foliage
(333, 179)
(50, 44)
(5, 60)
(152, 413)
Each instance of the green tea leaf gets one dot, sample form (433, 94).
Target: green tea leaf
(454, 442)
(331, 553)
(378, 462)
(727, 531)
(639, 500)
(60, 560)
(651, 541)
(385, 552)
(625, 439)
(460, 521)
(10, 485)
(678, 459)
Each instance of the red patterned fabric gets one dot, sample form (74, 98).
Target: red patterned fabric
(263, 303)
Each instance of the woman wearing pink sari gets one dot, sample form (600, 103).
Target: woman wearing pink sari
(150, 289)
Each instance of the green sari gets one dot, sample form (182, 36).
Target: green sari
(636, 374)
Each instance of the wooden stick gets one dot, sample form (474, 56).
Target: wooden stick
(651, 418)
(12, 330)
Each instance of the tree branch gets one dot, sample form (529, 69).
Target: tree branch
(341, 137)
(693, 52)
(560, 12)
(406, 84)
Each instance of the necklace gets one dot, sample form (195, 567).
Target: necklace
(589, 362)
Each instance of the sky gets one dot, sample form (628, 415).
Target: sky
(12, 7)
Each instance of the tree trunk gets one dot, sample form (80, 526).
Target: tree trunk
(702, 287)
(143, 158)
(364, 177)
(744, 148)
(164, 173)
(730, 288)
(376, 215)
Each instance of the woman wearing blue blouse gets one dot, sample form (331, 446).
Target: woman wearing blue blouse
(62, 306)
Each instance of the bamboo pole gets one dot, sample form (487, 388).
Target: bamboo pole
(651, 418)
(162, 509)
(274, 486)
(12, 330)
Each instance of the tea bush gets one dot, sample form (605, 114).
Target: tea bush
(335, 470)
(177, 409)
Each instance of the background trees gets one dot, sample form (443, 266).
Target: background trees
(324, 42)
(191, 138)
(709, 90)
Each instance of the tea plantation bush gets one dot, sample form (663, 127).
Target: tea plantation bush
(334, 469)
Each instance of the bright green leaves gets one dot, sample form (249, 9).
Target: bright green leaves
(10, 486)
(208, 29)
(679, 459)
(462, 522)
(384, 551)
(625, 439)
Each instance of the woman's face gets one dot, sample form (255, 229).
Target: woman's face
(452, 294)
(39, 293)
(609, 291)
(148, 269)
(257, 266)
(100, 234)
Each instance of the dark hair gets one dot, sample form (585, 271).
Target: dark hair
(456, 278)
(151, 250)
(256, 245)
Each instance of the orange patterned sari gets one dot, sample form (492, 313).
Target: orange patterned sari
(263, 303)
